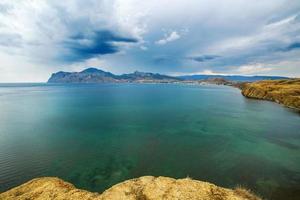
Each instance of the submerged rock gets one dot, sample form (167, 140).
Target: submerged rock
(143, 188)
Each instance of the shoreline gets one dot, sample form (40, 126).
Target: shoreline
(242, 86)
(282, 92)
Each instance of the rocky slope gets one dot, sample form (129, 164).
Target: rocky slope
(217, 81)
(143, 188)
(286, 92)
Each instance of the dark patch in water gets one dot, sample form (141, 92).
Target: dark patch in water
(281, 143)
(262, 177)
(286, 193)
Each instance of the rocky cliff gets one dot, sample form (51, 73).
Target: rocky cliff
(143, 188)
(286, 92)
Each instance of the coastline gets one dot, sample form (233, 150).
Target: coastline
(248, 89)
(283, 92)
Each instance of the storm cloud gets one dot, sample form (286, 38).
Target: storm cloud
(98, 43)
(172, 37)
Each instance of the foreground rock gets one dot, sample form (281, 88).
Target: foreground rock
(286, 92)
(143, 188)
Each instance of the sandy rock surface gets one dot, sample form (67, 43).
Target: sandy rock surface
(143, 188)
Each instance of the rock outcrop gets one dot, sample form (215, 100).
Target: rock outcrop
(143, 188)
(286, 92)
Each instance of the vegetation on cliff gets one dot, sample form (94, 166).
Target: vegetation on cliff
(143, 188)
(286, 92)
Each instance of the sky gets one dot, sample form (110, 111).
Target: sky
(174, 37)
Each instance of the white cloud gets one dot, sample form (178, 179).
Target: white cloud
(272, 35)
(252, 69)
(144, 48)
(208, 72)
(19, 69)
(203, 72)
(168, 38)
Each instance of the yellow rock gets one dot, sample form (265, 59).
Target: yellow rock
(286, 92)
(143, 188)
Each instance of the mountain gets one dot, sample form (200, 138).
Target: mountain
(236, 78)
(90, 75)
(144, 76)
(93, 75)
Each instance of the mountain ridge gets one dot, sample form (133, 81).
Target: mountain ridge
(94, 75)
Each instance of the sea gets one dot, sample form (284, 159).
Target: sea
(97, 135)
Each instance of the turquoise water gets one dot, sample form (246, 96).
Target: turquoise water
(97, 135)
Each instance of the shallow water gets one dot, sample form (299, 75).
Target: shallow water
(96, 135)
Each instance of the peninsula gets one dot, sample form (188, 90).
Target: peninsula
(286, 92)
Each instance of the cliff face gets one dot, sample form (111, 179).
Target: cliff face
(286, 92)
(143, 188)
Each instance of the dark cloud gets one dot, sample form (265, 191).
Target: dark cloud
(295, 45)
(203, 58)
(84, 46)
(161, 59)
